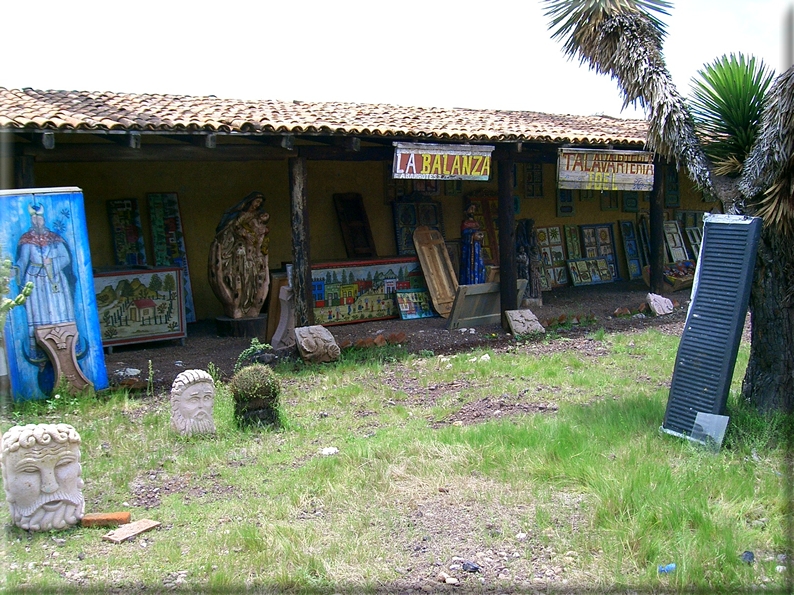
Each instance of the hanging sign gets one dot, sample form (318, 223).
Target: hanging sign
(588, 169)
(441, 162)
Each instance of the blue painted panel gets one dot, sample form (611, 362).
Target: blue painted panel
(58, 260)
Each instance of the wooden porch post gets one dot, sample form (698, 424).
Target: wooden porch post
(23, 167)
(507, 240)
(656, 224)
(301, 259)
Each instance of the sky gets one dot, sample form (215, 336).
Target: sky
(489, 54)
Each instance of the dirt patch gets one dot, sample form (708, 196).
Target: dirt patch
(595, 305)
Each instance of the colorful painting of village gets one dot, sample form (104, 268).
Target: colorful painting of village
(352, 292)
(140, 306)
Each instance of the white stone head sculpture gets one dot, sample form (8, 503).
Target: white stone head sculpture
(41, 476)
(192, 397)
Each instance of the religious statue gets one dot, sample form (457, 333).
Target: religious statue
(527, 244)
(472, 267)
(238, 269)
(192, 398)
(41, 476)
(316, 344)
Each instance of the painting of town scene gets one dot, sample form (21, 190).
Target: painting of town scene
(136, 306)
(363, 290)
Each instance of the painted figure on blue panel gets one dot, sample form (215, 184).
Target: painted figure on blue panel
(472, 267)
(43, 258)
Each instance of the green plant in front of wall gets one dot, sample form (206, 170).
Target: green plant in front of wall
(249, 352)
(6, 303)
(255, 390)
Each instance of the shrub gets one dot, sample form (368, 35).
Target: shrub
(255, 390)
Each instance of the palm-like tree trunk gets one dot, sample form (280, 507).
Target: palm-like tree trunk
(769, 380)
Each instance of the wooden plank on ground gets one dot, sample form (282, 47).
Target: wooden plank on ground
(130, 530)
(478, 304)
(442, 283)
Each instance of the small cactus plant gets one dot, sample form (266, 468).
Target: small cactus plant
(255, 390)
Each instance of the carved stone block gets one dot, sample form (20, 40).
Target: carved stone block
(316, 344)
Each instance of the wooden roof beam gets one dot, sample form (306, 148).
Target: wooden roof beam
(283, 141)
(348, 143)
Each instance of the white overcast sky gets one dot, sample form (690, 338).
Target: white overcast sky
(493, 54)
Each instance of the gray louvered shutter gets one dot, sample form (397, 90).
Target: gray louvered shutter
(713, 330)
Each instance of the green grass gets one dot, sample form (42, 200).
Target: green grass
(600, 496)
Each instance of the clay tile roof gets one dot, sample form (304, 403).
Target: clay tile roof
(82, 110)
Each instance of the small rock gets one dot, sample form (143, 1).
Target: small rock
(472, 331)
(451, 580)
(329, 450)
(748, 557)
(485, 358)
(521, 536)
(442, 577)
(471, 567)
(780, 569)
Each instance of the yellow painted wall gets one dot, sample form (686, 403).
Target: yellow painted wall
(206, 189)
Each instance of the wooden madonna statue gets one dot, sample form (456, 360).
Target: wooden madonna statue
(238, 269)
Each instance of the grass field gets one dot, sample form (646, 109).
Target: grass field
(590, 496)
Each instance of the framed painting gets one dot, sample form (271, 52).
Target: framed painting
(354, 223)
(533, 180)
(43, 233)
(140, 306)
(125, 229)
(674, 240)
(631, 248)
(589, 271)
(609, 200)
(552, 253)
(599, 242)
(168, 242)
(572, 241)
(355, 291)
(408, 215)
(672, 194)
(565, 204)
(631, 201)
(414, 304)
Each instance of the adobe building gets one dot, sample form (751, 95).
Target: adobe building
(331, 179)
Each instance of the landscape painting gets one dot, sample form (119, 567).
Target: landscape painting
(137, 306)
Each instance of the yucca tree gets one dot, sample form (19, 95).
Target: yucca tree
(727, 101)
(623, 39)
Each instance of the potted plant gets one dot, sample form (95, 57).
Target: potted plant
(255, 390)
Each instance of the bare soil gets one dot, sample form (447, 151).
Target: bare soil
(573, 312)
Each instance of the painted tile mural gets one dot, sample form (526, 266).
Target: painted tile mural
(169, 242)
(362, 290)
(43, 233)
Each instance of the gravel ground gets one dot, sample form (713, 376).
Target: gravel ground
(203, 346)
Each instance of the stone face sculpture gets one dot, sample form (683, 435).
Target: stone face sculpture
(41, 476)
(238, 268)
(316, 344)
(192, 398)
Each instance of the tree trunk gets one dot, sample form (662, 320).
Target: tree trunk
(769, 380)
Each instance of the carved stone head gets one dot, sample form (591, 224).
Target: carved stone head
(192, 398)
(41, 476)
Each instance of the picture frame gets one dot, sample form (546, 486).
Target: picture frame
(609, 200)
(168, 241)
(631, 248)
(533, 180)
(126, 232)
(414, 304)
(565, 203)
(410, 214)
(589, 271)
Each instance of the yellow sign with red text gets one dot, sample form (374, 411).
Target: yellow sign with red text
(441, 162)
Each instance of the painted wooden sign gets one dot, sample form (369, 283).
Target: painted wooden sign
(44, 234)
(125, 226)
(362, 290)
(169, 242)
(442, 162)
(588, 169)
(140, 305)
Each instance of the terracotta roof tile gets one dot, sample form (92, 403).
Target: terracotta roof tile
(83, 110)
